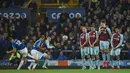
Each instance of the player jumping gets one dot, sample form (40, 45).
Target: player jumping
(94, 48)
(104, 35)
(116, 43)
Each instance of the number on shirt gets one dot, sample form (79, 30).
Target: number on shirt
(18, 42)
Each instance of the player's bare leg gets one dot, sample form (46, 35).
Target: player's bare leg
(21, 62)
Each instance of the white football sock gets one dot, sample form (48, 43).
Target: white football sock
(34, 66)
(20, 65)
(30, 65)
(30, 60)
(45, 62)
(30, 56)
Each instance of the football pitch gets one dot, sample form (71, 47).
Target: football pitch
(67, 71)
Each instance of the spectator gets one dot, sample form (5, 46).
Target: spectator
(66, 31)
(78, 17)
(128, 46)
(58, 40)
(62, 5)
(129, 53)
(78, 24)
(126, 36)
(65, 47)
(94, 3)
(12, 5)
(85, 5)
(4, 45)
(61, 28)
(33, 7)
(75, 30)
(67, 21)
(61, 56)
(69, 45)
(73, 53)
(38, 25)
(27, 38)
(12, 30)
(23, 25)
(4, 4)
(34, 38)
(37, 32)
(47, 34)
(87, 26)
(63, 16)
(1, 32)
(30, 45)
(18, 30)
(124, 4)
(59, 48)
(48, 27)
(42, 28)
(89, 20)
(51, 57)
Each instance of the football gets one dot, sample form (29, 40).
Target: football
(65, 37)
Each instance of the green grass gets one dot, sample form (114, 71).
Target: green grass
(67, 71)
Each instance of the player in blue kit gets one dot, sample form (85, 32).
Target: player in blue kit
(38, 51)
(21, 48)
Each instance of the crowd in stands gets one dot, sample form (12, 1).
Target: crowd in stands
(115, 13)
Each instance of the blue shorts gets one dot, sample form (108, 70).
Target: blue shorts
(115, 52)
(84, 51)
(104, 45)
(94, 50)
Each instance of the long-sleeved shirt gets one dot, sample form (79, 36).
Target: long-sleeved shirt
(47, 42)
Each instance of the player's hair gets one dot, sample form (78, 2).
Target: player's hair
(49, 36)
(84, 27)
(42, 36)
(117, 27)
(103, 21)
(10, 38)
